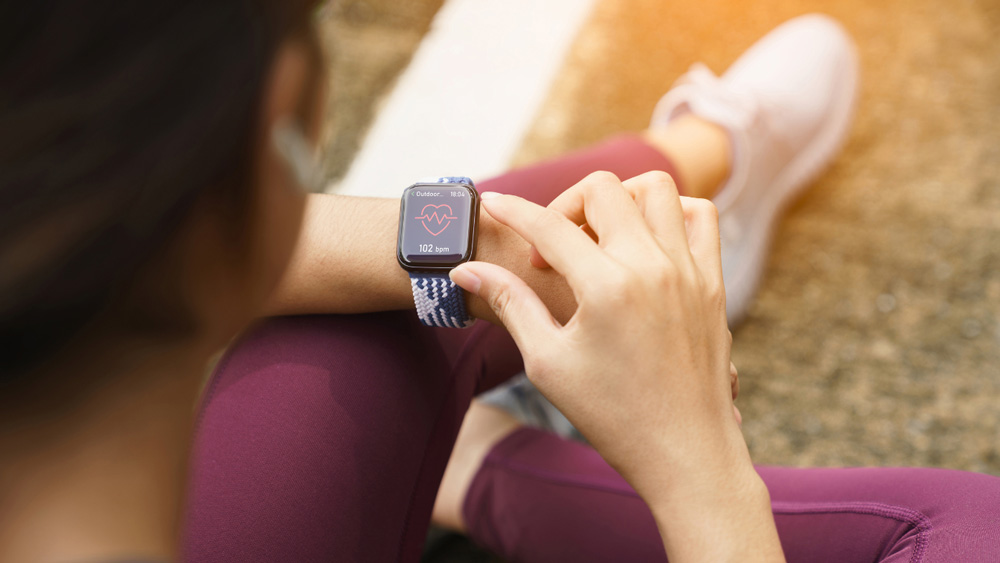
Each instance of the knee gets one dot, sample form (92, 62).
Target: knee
(961, 501)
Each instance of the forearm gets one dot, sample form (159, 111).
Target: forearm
(345, 262)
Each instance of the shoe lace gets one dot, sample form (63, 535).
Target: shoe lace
(736, 106)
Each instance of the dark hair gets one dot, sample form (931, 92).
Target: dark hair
(116, 117)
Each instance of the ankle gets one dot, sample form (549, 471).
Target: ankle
(700, 150)
(484, 426)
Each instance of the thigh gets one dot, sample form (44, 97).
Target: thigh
(325, 437)
(539, 497)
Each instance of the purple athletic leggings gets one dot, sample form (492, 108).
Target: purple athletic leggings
(324, 438)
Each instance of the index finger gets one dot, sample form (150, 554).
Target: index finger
(604, 203)
(569, 250)
(656, 208)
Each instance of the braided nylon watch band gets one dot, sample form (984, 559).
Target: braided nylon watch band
(439, 301)
(446, 180)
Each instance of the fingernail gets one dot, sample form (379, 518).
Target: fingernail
(465, 279)
(488, 195)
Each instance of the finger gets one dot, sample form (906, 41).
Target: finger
(601, 201)
(734, 380)
(701, 219)
(563, 245)
(536, 259)
(656, 196)
(514, 303)
(657, 211)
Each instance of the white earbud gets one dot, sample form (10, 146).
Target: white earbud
(291, 144)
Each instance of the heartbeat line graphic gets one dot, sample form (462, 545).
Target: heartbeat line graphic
(434, 217)
(446, 215)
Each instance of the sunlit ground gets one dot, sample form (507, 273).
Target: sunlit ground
(875, 338)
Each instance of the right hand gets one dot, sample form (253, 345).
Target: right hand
(642, 368)
(643, 365)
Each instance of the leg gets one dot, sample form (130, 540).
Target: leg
(885, 514)
(626, 156)
(700, 150)
(538, 497)
(696, 152)
(326, 437)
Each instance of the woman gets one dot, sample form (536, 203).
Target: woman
(149, 161)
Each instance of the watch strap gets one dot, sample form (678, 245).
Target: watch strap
(446, 180)
(439, 300)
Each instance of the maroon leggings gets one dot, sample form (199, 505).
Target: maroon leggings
(324, 438)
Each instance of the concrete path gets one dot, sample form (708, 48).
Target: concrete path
(469, 94)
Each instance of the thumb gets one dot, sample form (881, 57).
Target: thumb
(514, 303)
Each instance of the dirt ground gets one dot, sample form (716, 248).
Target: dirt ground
(875, 337)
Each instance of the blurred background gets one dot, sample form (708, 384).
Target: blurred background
(874, 339)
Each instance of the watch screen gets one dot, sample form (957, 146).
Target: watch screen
(434, 225)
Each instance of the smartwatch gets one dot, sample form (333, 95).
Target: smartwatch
(437, 231)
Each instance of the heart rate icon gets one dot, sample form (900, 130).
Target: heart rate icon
(442, 221)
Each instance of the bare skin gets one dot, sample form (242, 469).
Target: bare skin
(484, 426)
(700, 150)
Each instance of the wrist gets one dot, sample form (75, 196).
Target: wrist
(495, 247)
(500, 245)
(709, 491)
(717, 514)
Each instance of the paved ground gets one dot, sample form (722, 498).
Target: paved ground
(875, 338)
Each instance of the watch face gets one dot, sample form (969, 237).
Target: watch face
(436, 226)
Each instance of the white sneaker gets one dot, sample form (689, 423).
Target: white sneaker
(787, 102)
